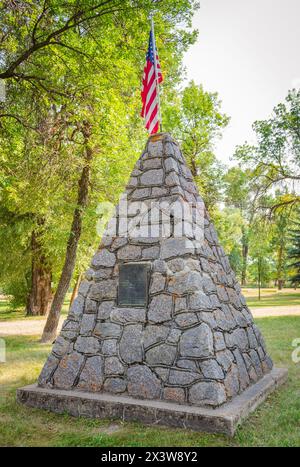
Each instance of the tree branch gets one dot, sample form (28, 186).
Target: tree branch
(45, 8)
(19, 120)
(75, 20)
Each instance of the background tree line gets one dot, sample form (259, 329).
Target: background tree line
(254, 203)
(70, 134)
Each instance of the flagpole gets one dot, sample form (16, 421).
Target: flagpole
(156, 72)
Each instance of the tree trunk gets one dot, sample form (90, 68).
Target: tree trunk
(245, 250)
(193, 167)
(50, 329)
(259, 278)
(280, 284)
(75, 290)
(40, 295)
(280, 279)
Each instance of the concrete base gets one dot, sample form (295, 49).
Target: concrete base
(224, 419)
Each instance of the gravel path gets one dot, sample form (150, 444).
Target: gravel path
(23, 327)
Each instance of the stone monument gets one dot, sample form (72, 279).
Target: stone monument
(160, 331)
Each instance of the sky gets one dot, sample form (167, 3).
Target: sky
(247, 51)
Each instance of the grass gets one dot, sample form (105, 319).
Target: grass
(7, 313)
(274, 423)
(275, 300)
(272, 297)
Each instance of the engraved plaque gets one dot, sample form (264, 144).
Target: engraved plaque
(133, 284)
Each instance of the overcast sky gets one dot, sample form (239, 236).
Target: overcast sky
(247, 51)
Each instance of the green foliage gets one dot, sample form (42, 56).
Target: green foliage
(239, 188)
(229, 223)
(66, 64)
(261, 252)
(294, 252)
(14, 255)
(275, 159)
(69, 63)
(265, 187)
(194, 117)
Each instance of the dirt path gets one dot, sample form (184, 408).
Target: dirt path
(22, 327)
(266, 311)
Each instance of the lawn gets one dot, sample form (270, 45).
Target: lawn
(275, 423)
(272, 297)
(7, 313)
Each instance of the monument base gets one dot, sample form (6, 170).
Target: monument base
(224, 419)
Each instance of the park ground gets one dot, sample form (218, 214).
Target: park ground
(275, 423)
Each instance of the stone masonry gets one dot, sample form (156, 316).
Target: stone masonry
(195, 342)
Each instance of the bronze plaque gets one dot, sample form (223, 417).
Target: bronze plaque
(133, 284)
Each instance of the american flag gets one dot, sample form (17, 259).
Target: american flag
(150, 96)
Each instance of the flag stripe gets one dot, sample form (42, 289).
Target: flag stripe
(154, 124)
(149, 91)
(151, 108)
(153, 114)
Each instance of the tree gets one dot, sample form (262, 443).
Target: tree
(281, 220)
(241, 192)
(245, 192)
(23, 197)
(31, 31)
(274, 162)
(73, 240)
(71, 252)
(261, 253)
(48, 171)
(276, 156)
(230, 224)
(15, 273)
(194, 117)
(294, 253)
(27, 29)
(39, 296)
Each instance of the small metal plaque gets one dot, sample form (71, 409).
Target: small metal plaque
(133, 284)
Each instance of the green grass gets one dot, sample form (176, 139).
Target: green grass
(6, 313)
(275, 423)
(272, 298)
(9, 314)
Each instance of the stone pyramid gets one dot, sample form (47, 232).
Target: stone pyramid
(160, 314)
